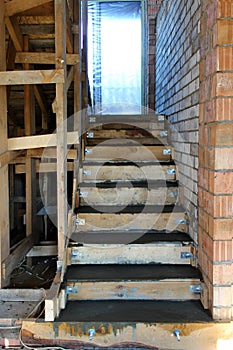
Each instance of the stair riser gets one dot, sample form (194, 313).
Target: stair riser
(129, 153)
(129, 254)
(128, 172)
(124, 134)
(134, 290)
(138, 221)
(128, 125)
(128, 196)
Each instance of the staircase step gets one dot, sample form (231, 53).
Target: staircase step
(126, 237)
(130, 152)
(149, 217)
(132, 282)
(151, 137)
(128, 193)
(139, 171)
(116, 311)
(153, 253)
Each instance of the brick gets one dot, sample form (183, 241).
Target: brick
(221, 182)
(222, 251)
(223, 84)
(221, 313)
(225, 32)
(222, 274)
(224, 58)
(223, 160)
(225, 9)
(224, 109)
(222, 296)
(221, 134)
(221, 229)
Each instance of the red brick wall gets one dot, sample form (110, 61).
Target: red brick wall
(216, 155)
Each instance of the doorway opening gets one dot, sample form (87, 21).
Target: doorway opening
(115, 56)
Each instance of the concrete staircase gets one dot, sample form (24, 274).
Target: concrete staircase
(131, 242)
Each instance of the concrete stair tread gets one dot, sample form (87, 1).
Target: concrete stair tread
(130, 272)
(164, 311)
(131, 183)
(132, 209)
(127, 237)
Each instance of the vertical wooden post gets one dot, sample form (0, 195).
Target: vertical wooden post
(29, 126)
(61, 114)
(4, 193)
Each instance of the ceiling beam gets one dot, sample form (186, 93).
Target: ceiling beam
(17, 6)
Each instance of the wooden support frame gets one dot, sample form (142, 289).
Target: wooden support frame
(54, 76)
(44, 58)
(17, 6)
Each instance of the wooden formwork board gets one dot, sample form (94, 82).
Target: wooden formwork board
(149, 335)
(125, 196)
(134, 290)
(129, 221)
(100, 172)
(131, 152)
(163, 253)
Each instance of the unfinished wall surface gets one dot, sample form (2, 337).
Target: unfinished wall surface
(152, 10)
(216, 155)
(177, 90)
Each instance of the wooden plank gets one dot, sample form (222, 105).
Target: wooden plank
(32, 77)
(128, 172)
(127, 152)
(69, 34)
(25, 295)
(161, 253)
(4, 196)
(125, 134)
(61, 115)
(43, 106)
(38, 141)
(16, 257)
(42, 168)
(128, 196)
(7, 157)
(16, 6)
(51, 153)
(135, 290)
(51, 301)
(147, 335)
(139, 221)
(42, 250)
(15, 33)
(44, 58)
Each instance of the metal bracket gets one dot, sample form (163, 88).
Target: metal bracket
(181, 221)
(167, 152)
(171, 171)
(71, 289)
(196, 288)
(92, 119)
(161, 118)
(80, 222)
(83, 194)
(90, 135)
(163, 133)
(88, 151)
(174, 194)
(186, 255)
(91, 332)
(86, 172)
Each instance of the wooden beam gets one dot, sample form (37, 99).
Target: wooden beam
(17, 6)
(69, 36)
(52, 299)
(43, 107)
(42, 168)
(16, 257)
(61, 114)
(38, 141)
(44, 58)
(4, 194)
(15, 33)
(51, 153)
(55, 76)
(70, 78)
(7, 157)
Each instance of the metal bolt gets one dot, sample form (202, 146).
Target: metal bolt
(91, 333)
(177, 334)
